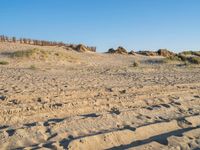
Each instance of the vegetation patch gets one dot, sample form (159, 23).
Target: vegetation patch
(173, 58)
(4, 63)
(135, 64)
(194, 60)
(186, 57)
(191, 53)
(19, 54)
(32, 67)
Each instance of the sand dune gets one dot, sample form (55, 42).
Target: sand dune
(71, 100)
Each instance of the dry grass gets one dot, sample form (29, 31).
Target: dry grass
(40, 54)
(20, 54)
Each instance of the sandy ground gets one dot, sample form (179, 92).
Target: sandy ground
(92, 101)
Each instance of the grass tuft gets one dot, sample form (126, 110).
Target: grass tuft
(32, 67)
(135, 64)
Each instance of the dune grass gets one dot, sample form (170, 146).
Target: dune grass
(194, 60)
(20, 54)
(185, 58)
(196, 53)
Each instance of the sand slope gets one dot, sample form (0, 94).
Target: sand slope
(99, 101)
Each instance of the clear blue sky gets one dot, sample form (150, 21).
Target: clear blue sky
(134, 24)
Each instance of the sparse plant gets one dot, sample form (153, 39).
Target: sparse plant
(115, 110)
(135, 64)
(26, 53)
(32, 67)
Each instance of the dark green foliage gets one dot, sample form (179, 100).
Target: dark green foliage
(4, 63)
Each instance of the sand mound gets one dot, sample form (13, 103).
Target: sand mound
(83, 48)
(165, 53)
(119, 50)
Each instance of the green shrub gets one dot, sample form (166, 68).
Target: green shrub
(4, 63)
(194, 60)
(187, 53)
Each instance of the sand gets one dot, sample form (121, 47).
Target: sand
(74, 100)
